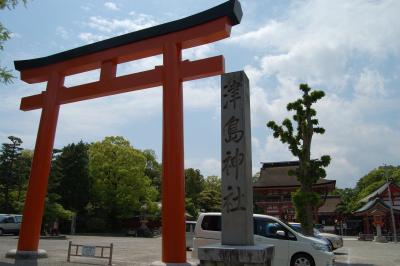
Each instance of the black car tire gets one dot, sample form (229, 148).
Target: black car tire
(302, 259)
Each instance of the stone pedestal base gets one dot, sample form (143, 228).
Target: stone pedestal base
(380, 239)
(223, 255)
(26, 255)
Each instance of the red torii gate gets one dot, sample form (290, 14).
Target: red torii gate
(167, 39)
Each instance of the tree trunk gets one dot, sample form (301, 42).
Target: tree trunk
(308, 223)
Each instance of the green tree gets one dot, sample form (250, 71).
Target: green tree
(209, 200)
(53, 210)
(6, 74)
(191, 209)
(119, 186)
(10, 153)
(153, 169)
(299, 141)
(374, 179)
(194, 184)
(348, 201)
(23, 169)
(74, 186)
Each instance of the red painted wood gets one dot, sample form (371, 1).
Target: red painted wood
(37, 188)
(173, 182)
(109, 86)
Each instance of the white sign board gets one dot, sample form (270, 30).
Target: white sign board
(88, 251)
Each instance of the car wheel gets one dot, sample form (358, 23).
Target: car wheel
(302, 259)
(1, 231)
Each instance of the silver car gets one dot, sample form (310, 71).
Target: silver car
(334, 241)
(10, 223)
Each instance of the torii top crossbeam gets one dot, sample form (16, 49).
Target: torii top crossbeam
(167, 39)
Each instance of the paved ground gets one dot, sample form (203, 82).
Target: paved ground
(367, 253)
(144, 251)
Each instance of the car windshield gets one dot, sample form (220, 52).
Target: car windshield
(297, 228)
(18, 218)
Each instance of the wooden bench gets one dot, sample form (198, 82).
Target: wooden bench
(89, 251)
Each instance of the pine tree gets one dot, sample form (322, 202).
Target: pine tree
(10, 153)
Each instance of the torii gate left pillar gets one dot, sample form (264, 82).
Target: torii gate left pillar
(167, 39)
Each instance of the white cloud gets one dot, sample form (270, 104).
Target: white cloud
(139, 22)
(201, 95)
(370, 83)
(343, 47)
(62, 32)
(107, 28)
(198, 52)
(86, 8)
(208, 166)
(111, 6)
(89, 37)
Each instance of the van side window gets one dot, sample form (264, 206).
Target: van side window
(190, 227)
(8, 220)
(211, 223)
(268, 228)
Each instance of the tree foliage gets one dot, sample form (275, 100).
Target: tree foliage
(101, 183)
(153, 169)
(6, 74)
(119, 186)
(209, 199)
(299, 140)
(53, 210)
(74, 188)
(10, 155)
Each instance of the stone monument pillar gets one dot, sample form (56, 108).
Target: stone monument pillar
(237, 238)
(237, 191)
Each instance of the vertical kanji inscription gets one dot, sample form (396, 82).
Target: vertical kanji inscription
(237, 193)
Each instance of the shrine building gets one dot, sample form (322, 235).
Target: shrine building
(376, 209)
(272, 193)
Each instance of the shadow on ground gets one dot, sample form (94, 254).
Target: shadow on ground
(340, 253)
(20, 262)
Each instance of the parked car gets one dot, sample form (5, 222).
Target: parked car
(334, 241)
(190, 226)
(10, 223)
(291, 247)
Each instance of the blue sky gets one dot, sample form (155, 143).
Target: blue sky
(350, 49)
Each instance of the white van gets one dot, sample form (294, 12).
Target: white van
(291, 248)
(190, 226)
